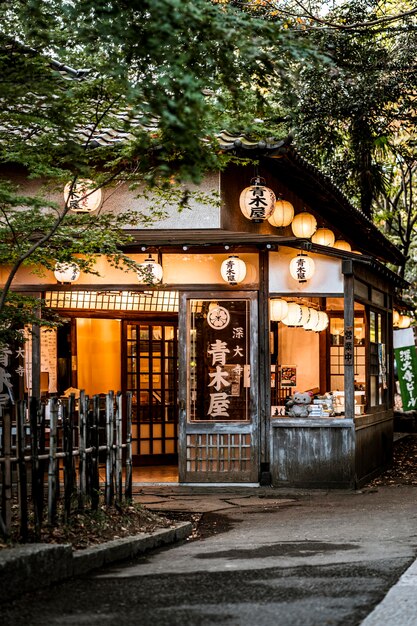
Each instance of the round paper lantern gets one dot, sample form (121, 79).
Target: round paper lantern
(150, 271)
(66, 272)
(278, 310)
(304, 225)
(83, 198)
(282, 215)
(257, 202)
(313, 319)
(323, 237)
(233, 270)
(404, 321)
(395, 317)
(341, 244)
(322, 323)
(302, 268)
(294, 315)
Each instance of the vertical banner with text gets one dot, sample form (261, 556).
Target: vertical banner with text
(406, 362)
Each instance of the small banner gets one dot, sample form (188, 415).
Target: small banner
(406, 361)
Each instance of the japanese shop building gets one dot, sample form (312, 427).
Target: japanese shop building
(206, 354)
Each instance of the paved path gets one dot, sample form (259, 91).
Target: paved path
(266, 558)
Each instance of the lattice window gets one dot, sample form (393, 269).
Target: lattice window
(153, 301)
(228, 452)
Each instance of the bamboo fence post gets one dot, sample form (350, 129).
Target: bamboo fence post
(21, 469)
(82, 436)
(95, 481)
(52, 469)
(68, 471)
(36, 489)
(7, 470)
(128, 484)
(109, 487)
(119, 449)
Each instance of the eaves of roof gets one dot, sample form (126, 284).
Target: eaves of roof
(319, 190)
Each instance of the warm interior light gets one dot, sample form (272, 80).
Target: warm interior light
(304, 225)
(323, 237)
(282, 215)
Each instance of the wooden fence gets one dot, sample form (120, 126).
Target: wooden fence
(56, 452)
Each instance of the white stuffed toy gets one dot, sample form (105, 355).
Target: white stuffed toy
(299, 405)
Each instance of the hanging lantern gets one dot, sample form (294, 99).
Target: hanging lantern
(322, 323)
(304, 225)
(356, 252)
(305, 314)
(395, 317)
(233, 270)
(150, 271)
(323, 237)
(294, 315)
(302, 268)
(341, 244)
(404, 321)
(257, 202)
(313, 319)
(83, 197)
(282, 215)
(278, 310)
(66, 272)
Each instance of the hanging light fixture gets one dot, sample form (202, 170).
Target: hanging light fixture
(294, 315)
(395, 317)
(302, 267)
(282, 215)
(150, 271)
(323, 237)
(257, 202)
(304, 225)
(83, 197)
(233, 270)
(313, 319)
(404, 321)
(341, 244)
(322, 323)
(278, 310)
(66, 272)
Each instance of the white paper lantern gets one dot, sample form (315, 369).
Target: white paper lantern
(150, 271)
(278, 310)
(294, 315)
(257, 202)
(66, 272)
(395, 317)
(404, 321)
(323, 237)
(302, 268)
(313, 319)
(341, 244)
(282, 215)
(233, 270)
(83, 197)
(304, 225)
(322, 323)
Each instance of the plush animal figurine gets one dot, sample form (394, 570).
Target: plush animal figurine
(299, 405)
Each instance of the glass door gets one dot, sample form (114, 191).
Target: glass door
(151, 376)
(218, 389)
